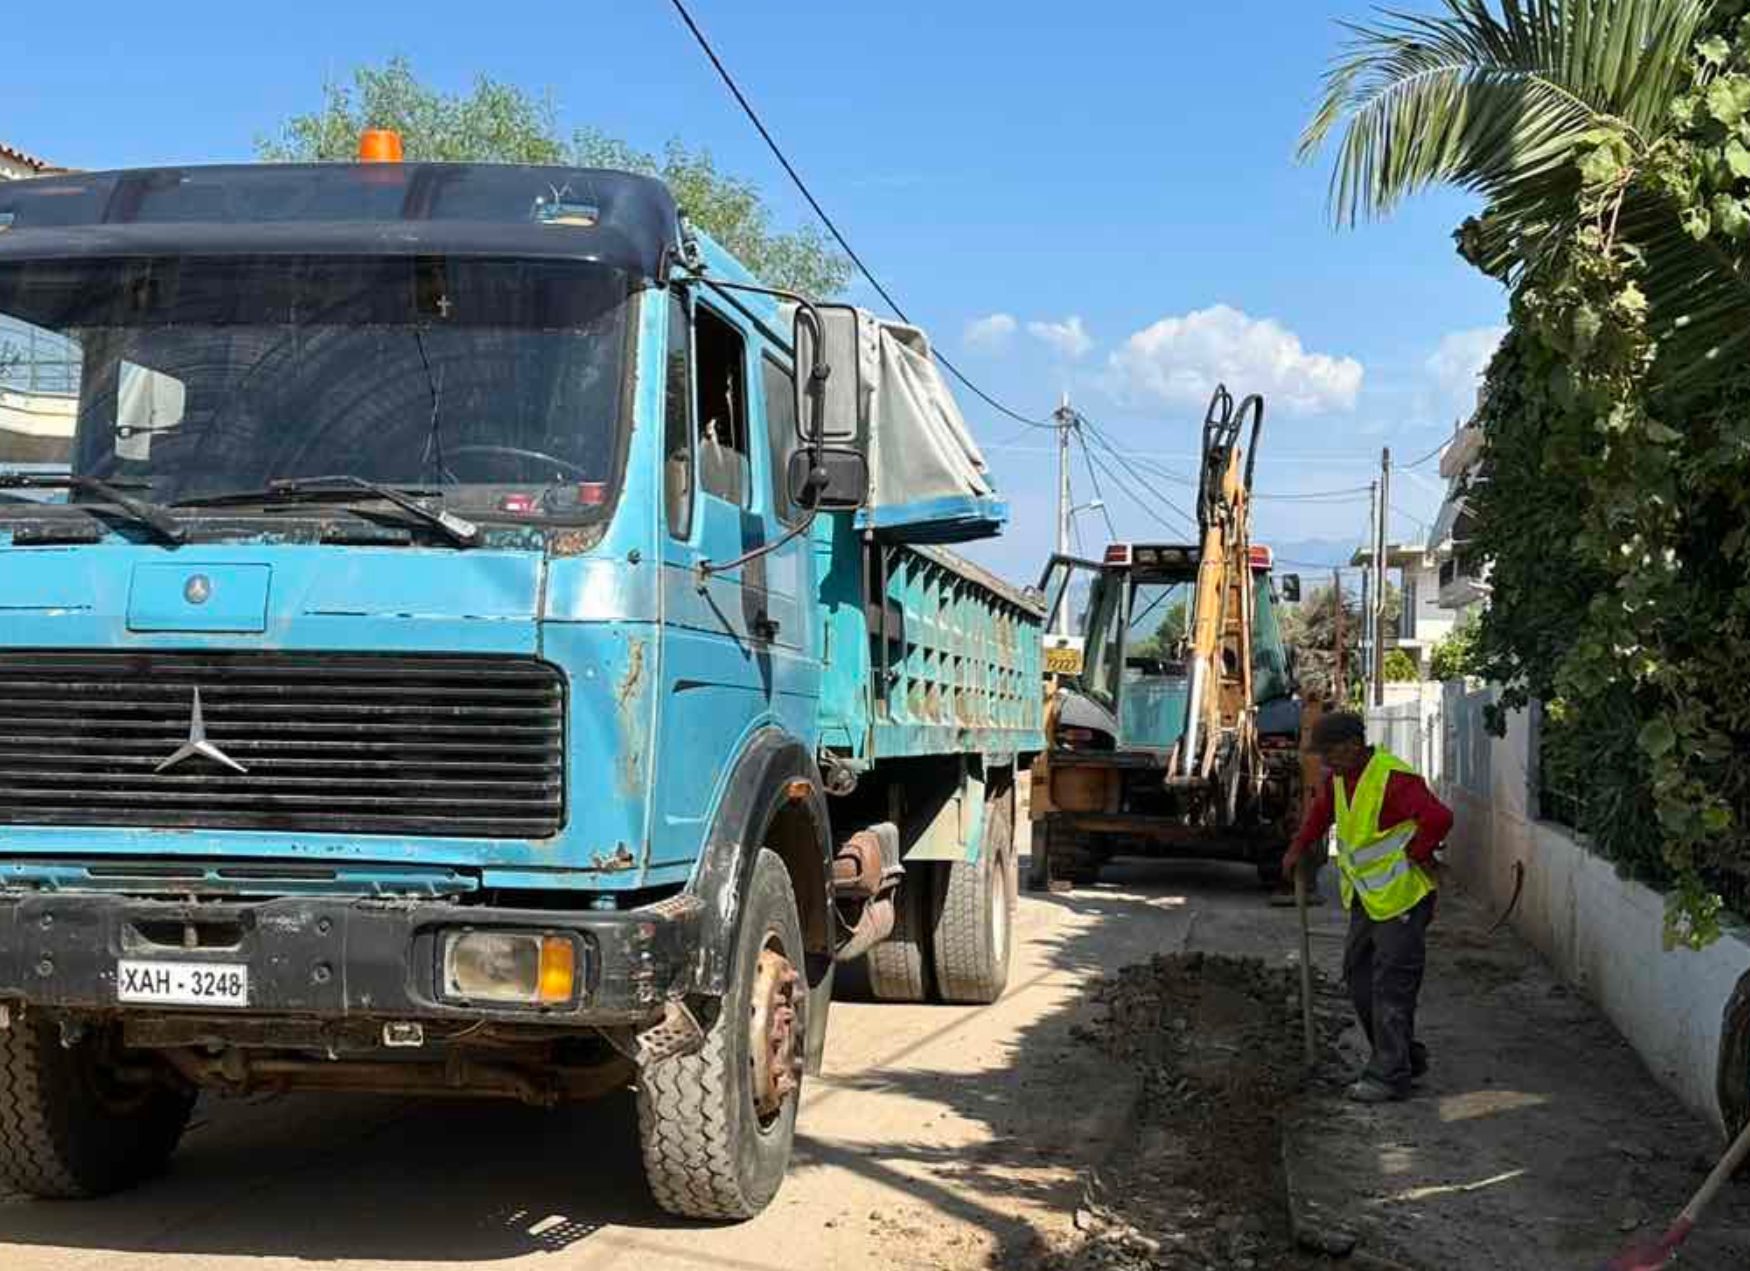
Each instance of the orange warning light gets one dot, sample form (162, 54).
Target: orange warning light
(379, 145)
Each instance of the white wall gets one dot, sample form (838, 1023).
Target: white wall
(1601, 933)
(1432, 622)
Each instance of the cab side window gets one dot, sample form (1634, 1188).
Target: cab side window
(677, 443)
(780, 394)
(720, 365)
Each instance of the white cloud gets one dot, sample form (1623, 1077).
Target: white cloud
(1069, 337)
(1457, 364)
(1182, 359)
(991, 331)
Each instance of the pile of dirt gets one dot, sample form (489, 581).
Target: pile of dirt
(1216, 1043)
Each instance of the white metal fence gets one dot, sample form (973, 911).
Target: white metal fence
(1412, 730)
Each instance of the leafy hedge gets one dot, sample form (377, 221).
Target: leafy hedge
(1615, 512)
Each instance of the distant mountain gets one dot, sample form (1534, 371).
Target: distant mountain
(1308, 553)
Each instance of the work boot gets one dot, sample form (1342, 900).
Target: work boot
(1367, 1090)
(1418, 1061)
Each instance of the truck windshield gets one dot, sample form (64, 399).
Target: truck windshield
(499, 382)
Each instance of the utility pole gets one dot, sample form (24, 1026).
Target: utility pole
(1364, 638)
(1339, 664)
(1379, 577)
(1065, 419)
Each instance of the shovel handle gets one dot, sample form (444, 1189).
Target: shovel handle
(1306, 1001)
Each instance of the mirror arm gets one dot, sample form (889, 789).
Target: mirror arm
(707, 567)
(817, 376)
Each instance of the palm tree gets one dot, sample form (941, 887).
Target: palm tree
(1505, 104)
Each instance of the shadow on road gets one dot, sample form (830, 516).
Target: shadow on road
(329, 1177)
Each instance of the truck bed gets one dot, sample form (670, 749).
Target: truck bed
(950, 664)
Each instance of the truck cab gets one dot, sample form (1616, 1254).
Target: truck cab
(432, 627)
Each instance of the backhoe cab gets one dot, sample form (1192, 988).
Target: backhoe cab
(1176, 727)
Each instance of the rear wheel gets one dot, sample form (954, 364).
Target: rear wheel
(68, 1127)
(899, 967)
(716, 1125)
(974, 918)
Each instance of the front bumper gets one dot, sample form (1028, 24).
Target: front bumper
(335, 958)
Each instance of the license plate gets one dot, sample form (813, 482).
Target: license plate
(182, 983)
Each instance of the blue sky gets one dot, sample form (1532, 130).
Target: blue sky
(1100, 199)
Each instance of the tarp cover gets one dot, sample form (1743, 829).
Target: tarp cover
(928, 480)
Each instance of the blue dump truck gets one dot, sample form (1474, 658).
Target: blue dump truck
(461, 634)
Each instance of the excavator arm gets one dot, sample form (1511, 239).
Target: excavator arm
(1220, 738)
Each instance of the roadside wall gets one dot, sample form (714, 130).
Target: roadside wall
(1602, 934)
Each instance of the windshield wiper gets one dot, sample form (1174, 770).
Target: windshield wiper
(462, 533)
(153, 516)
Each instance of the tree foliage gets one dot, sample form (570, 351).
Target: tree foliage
(1611, 142)
(1400, 668)
(1310, 630)
(1167, 635)
(502, 123)
(1454, 655)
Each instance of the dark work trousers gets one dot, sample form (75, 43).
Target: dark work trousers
(1383, 962)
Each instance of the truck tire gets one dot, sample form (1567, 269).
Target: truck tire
(899, 967)
(974, 927)
(66, 1132)
(716, 1125)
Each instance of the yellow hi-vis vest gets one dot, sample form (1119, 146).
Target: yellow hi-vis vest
(1372, 861)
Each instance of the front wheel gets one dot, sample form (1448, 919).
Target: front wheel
(716, 1125)
(69, 1128)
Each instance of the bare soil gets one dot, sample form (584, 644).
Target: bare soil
(1215, 1042)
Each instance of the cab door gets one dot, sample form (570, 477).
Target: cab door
(735, 638)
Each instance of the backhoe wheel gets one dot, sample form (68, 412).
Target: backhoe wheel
(716, 1125)
(1039, 856)
(899, 967)
(1065, 856)
(975, 912)
(68, 1128)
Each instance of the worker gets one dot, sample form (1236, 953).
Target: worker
(1389, 824)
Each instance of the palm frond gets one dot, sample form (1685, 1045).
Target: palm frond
(1495, 103)
(1698, 295)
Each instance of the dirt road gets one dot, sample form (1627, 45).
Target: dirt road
(936, 1136)
(956, 1138)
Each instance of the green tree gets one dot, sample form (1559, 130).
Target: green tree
(1454, 654)
(1309, 629)
(1167, 634)
(1400, 667)
(502, 123)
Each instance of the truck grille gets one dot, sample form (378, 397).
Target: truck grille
(364, 744)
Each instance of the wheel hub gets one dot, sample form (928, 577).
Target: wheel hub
(774, 1055)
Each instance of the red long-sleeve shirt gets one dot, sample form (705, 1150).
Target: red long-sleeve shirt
(1407, 798)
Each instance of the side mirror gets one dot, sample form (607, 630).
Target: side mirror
(838, 397)
(838, 483)
(1290, 587)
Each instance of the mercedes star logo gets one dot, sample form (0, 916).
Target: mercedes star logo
(197, 743)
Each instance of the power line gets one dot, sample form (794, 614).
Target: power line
(1425, 458)
(832, 228)
(1341, 494)
(1147, 507)
(1105, 444)
(1099, 494)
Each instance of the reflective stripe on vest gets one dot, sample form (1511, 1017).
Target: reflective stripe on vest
(1372, 862)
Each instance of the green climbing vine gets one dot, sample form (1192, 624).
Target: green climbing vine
(1615, 507)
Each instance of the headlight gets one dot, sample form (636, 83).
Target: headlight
(530, 968)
